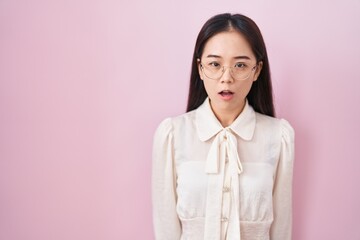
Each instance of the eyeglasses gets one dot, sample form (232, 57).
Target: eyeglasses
(215, 71)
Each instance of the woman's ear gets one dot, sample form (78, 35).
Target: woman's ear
(258, 70)
(199, 69)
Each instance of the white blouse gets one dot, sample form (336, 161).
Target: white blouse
(216, 183)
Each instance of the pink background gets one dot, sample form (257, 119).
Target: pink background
(83, 85)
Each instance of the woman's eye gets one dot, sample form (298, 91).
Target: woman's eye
(240, 65)
(214, 64)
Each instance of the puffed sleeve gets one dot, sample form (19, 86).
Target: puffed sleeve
(282, 193)
(165, 219)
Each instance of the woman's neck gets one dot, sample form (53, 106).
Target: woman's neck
(227, 116)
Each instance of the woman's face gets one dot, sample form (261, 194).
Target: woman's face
(229, 49)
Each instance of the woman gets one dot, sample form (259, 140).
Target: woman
(223, 170)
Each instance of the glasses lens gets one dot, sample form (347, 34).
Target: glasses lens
(241, 73)
(238, 73)
(213, 72)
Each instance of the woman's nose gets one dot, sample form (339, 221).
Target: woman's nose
(226, 77)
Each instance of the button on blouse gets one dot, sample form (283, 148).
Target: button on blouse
(216, 183)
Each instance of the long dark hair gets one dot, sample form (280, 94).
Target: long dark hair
(260, 95)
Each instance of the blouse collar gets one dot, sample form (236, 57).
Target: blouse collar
(208, 125)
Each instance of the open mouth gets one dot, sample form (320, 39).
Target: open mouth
(226, 93)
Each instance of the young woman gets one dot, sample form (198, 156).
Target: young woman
(223, 170)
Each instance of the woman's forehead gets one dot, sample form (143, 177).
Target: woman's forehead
(228, 45)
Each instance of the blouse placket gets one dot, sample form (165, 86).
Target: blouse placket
(223, 167)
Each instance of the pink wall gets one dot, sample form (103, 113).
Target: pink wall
(83, 84)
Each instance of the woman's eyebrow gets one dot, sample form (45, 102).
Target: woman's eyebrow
(242, 57)
(213, 56)
(236, 57)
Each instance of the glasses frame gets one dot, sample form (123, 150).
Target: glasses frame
(223, 71)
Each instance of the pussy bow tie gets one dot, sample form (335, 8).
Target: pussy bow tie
(223, 167)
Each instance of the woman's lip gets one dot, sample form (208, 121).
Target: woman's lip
(226, 92)
(226, 95)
